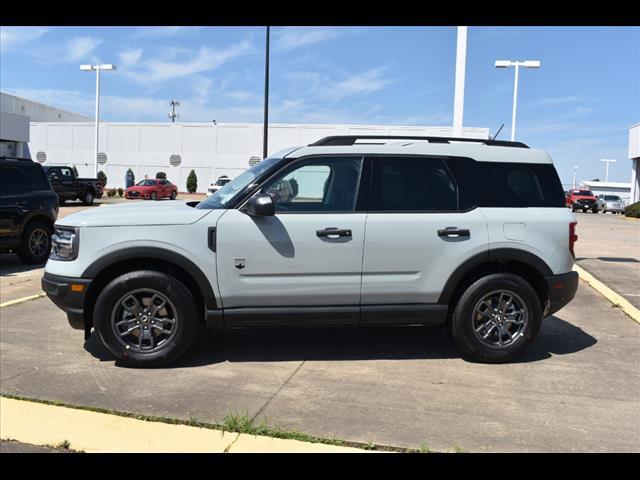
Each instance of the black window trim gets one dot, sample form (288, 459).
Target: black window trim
(363, 188)
(446, 161)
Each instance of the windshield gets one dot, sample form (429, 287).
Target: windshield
(146, 183)
(223, 197)
(584, 193)
(612, 197)
(223, 181)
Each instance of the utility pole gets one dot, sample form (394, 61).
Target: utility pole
(606, 171)
(458, 96)
(265, 135)
(173, 113)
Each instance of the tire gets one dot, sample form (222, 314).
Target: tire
(594, 210)
(154, 196)
(61, 201)
(160, 349)
(584, 210)
(173, 195)
(464, 321)
(87, 198)
(35, 243)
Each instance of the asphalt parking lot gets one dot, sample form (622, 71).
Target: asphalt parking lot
(576, 389)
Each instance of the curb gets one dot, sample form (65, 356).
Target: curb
(93, 432)
(22, 300)
(606, 292)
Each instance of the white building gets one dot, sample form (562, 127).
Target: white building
(634, 155)
(209, 149)
(621, 189)
(15, 115)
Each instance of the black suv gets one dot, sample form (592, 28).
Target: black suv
(28, 210)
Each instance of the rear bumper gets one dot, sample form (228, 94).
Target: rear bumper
(562, 288)
(68, 294)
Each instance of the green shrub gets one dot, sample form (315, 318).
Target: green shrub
(120, 192)
(161, 176)
(130, 178)
(111, 193)
(633, 210)
(75, 171)
(102, 177)
(294, 186)
(192, 182)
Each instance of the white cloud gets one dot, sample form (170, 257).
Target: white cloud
(296, 37)
(130, 57)
(12, 38)
(80, 48)
(159, 70)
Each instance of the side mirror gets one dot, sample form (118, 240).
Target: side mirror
(261, 206)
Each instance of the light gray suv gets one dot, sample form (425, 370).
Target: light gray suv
(469, 234)
(610, 203)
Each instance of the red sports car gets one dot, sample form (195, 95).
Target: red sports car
(152, 190)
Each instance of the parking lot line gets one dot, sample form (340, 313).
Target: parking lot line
(22, 300)
(609, 294)
(94, 432)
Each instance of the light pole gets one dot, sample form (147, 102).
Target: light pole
(173, 114)
(97, 68)
(606, 171)
(458, 96)
(575, 168)
(265, 134)
(510, 63)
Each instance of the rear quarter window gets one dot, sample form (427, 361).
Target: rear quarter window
(511, 184)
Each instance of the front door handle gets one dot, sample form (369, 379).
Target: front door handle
(333, 232)
(454, 232)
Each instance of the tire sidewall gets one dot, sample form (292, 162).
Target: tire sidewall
(88, 198)
(462, 319)
(24, 253)
(169, 286)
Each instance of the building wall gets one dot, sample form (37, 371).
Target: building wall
(38, 112)
(634, 155)
(209, 149)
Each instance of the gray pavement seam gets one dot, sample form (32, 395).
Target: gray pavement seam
(284, 384)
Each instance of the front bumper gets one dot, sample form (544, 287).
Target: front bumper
(562, 288)
(69, 295)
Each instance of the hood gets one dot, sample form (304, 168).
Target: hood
(139, 213)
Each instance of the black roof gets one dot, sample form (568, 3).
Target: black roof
(347, 140)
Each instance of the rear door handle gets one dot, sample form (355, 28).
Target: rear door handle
(333, 232)
(454, 232)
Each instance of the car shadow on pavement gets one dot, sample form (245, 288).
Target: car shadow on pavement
(556, 337)
(10, 265)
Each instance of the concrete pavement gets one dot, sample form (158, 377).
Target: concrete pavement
(576, 389)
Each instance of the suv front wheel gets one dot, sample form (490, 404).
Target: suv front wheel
(146, 318)
(496, 318)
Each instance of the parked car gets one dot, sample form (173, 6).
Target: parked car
(471, 234)
(69, 187)
(218, 184)
(28, 210)
(610, 203)
(152, 189)
(580, 199)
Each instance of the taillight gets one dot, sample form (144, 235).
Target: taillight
(573, 238)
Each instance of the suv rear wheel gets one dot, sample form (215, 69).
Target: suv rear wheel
(35, 244)
(146, 318)
(496, 318)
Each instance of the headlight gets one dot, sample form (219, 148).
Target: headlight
(65, 243)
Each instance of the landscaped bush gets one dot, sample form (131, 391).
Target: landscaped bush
(102, 177)
(294, 186)
(120, 192)
(192, 182)
(75, 171)
(633, 210)
(161, 176)
(111, 193)
(130, 178)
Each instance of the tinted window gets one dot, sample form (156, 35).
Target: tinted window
(14, 182)
(66, 173)
(318, 185)
(36, 175)
(412, 184)
(510, 184)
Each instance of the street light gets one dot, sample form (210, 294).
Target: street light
(606, 172)
(510, 63)
(575, 168)
(97, 68)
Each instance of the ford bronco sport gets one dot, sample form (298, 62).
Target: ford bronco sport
(469, 234)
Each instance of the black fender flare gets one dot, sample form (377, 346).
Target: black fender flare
(497, 254)
(156, 253)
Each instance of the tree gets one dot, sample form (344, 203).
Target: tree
(130, 178)
(102, 177)
(161, 175)
(294, 186)
(75, 171)
(192, 182)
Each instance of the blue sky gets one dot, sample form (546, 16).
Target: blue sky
(578, 106)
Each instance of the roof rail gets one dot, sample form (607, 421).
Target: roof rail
(347, 140)
(5, 157)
